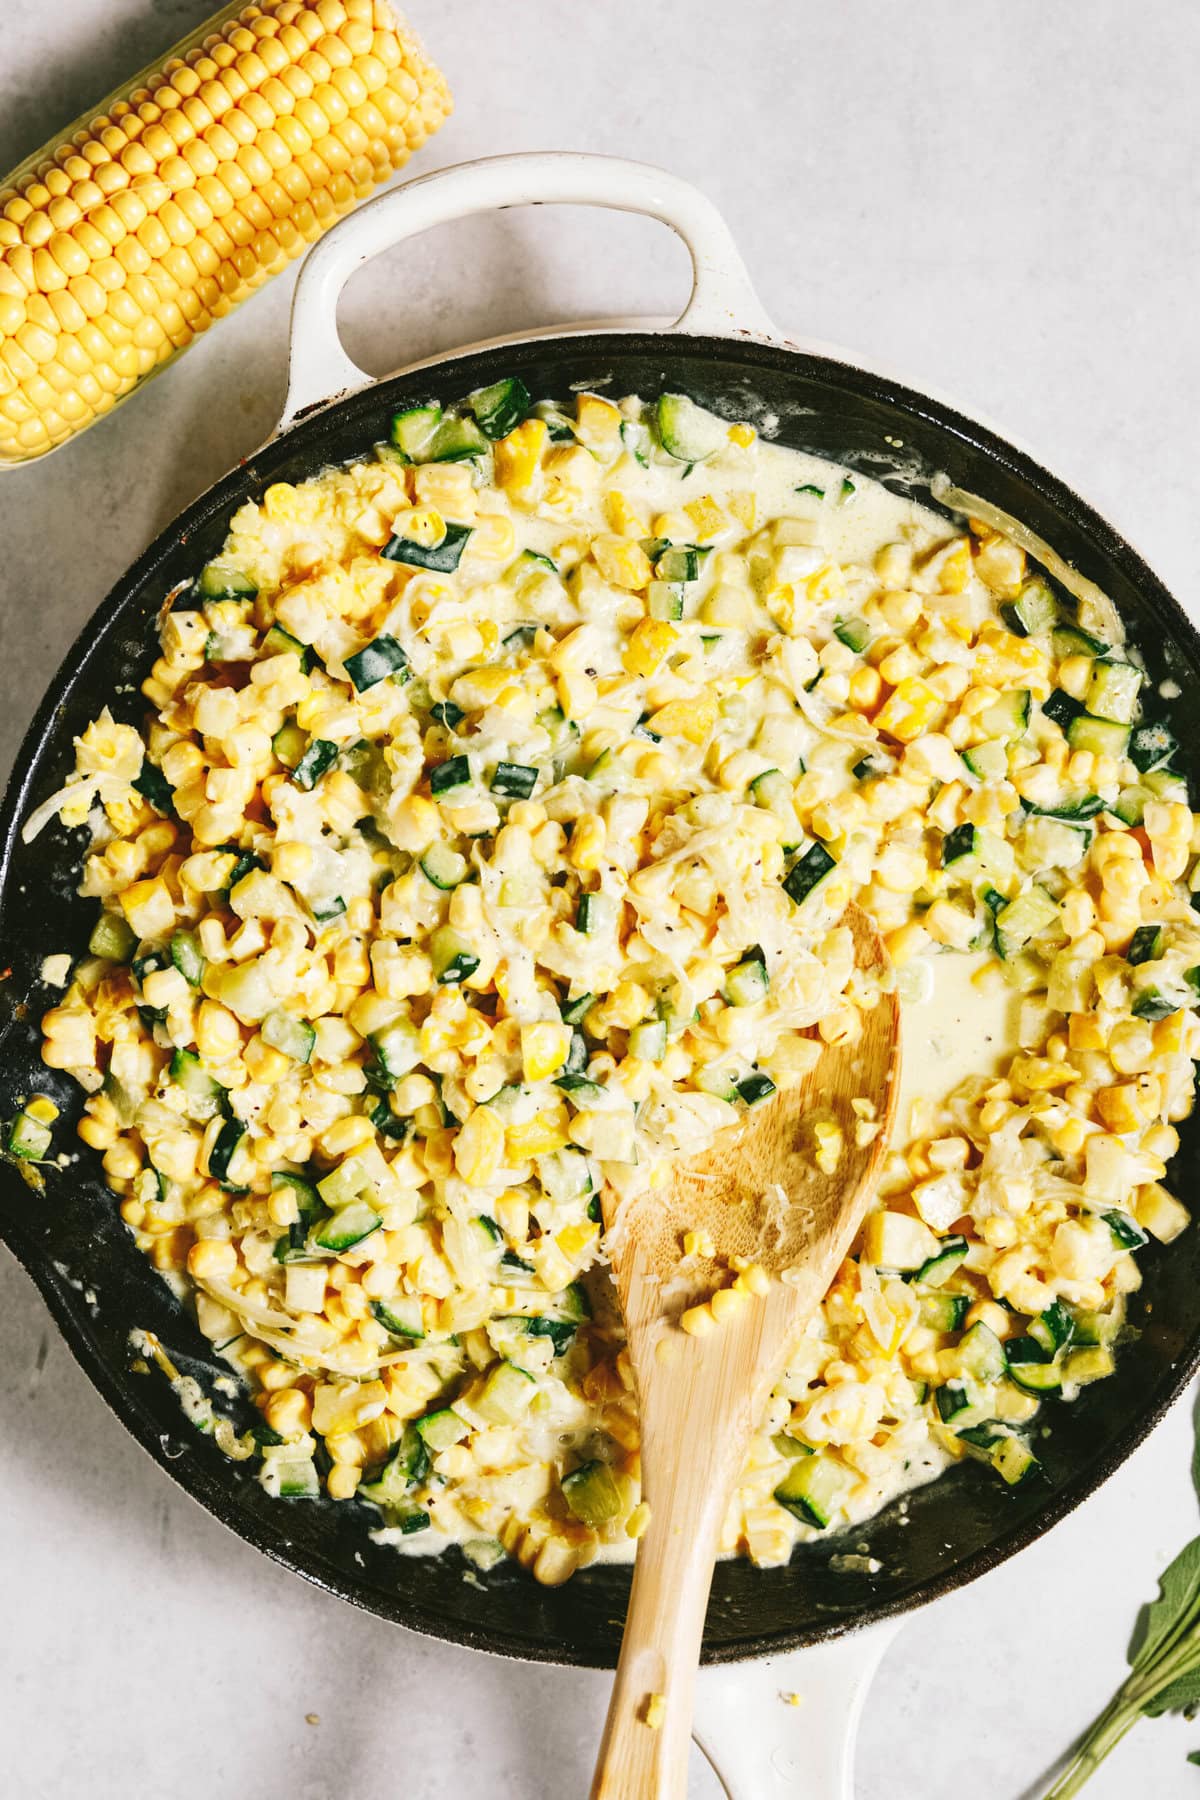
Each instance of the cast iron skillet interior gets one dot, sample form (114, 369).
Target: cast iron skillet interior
(98, 1285)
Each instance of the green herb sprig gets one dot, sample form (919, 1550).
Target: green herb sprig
(1164, 1660)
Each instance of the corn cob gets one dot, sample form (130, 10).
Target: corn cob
(158, 213)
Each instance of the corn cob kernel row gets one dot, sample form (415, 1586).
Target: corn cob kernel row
(144, 223)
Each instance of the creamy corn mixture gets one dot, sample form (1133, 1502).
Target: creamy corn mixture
(486, 841)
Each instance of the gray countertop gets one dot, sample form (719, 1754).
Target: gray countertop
(1000, 202)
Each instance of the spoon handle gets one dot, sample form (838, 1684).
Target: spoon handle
(643, 1757)
(699, 1403)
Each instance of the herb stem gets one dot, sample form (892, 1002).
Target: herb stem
(1123, 1712)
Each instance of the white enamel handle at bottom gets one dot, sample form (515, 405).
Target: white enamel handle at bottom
(722, 298)
(762, 1746)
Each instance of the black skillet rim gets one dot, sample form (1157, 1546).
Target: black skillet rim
(197, 1479)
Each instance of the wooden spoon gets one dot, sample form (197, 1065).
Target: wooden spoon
(702, 1397)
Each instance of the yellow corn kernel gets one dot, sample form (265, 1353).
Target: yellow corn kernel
(540, 1137)
(576, 693)
(588, 843)
(622, 562)
(597, 422)
(727, 1303)
(212, 1259)
(698, 1243)
(698, 1321)
(518, 457)
(1120, 1107)
(690, 719)
(910, 710)
(545, 1048)
(707, 518)
(652, 641)
(148, 907)
(866, 685)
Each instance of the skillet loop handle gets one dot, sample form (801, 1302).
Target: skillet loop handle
(722, 299)
(765, 1745)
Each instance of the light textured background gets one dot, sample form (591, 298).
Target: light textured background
(1001, 201)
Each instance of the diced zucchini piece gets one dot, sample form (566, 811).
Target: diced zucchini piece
(279, 642)
(958, 844)
(565, 1175)
(291, 1478)
(1125, 1230)
(1147, 944)
(814, 1488)
(112, 938)
(319, 757)
(681, 562)
(283, 1031)
(348, 1226)
(228, 1140)
(807, 872)
(988, 761)
(443, 558)
(1096, 1327)
(944, 1312)
(593, 1494)
(593, 913)
(153, 786)
(1008, 717)
(756, 1087)
(375, 662)
(452, 956)
(455, 440)
(573, 1012)
(1054, 1329)
(444, 867)
(219, 582)
(718, 1081)
(1166, 784)
(1130, 804)
(206, 1095)
(447, 776)
(1023, 918)
(1092, 1364)
(506, 1395)
(686, 431)
(401, 1315)
(187, 956)
(1113, 691)
(854, 633)
(29, 1138)
(956, 1405)
(501, 407)
(1069, 640)
(561, 1332)
(1073, 807)
(1102, 737)
(747, 982)
(1150, 747)
(981, 1355)
(413, 430)
(289, 744)
(1030, 1368)
(648, 1042)
(1035, 609)
(664, 600)
(514, 781)
(1062, 708)
(1013, 1460)
(939, 1267)
(440, 1430)
(446, 713)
